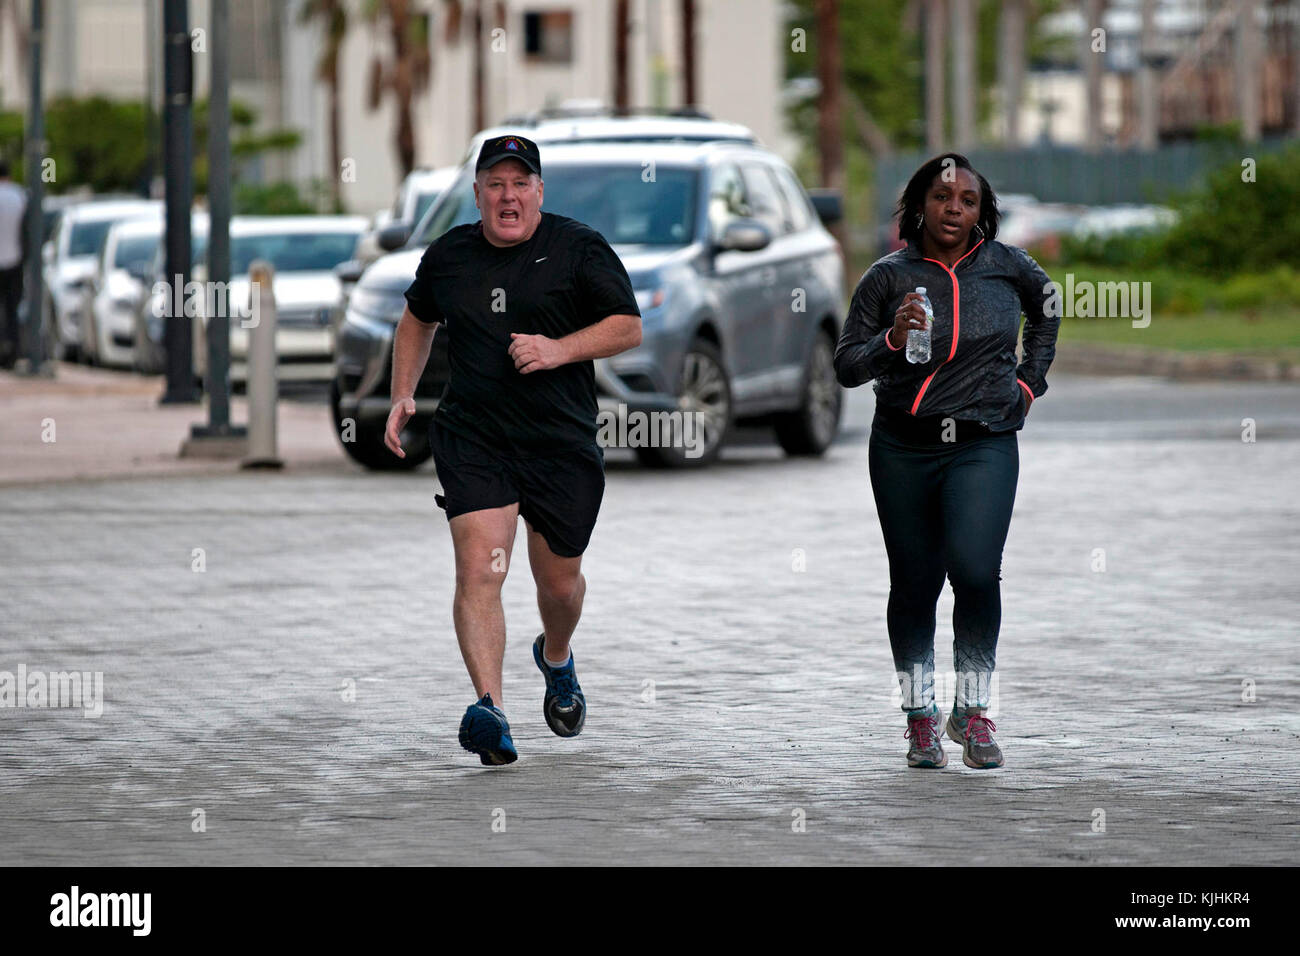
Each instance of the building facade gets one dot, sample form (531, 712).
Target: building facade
(534, 54)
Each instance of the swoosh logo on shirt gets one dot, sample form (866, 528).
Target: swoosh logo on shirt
(543, 259)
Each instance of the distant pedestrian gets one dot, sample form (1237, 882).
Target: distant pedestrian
(943, 454)
(13, 203)
(528, 299)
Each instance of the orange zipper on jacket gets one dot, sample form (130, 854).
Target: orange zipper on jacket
(956, 321)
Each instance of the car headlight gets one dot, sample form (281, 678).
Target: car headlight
(647, 299)
(386, 304)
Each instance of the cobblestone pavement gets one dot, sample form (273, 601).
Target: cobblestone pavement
(741, 711)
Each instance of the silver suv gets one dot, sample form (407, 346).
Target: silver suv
(739, 283)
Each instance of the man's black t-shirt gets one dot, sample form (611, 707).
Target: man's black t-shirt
(564, 278)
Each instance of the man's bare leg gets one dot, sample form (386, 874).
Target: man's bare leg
(483, 541)
(560, 590)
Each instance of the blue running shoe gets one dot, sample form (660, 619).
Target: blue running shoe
(484, 731)
(564, 707)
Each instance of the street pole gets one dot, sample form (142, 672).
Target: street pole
(177, 161)
(33, 325)
(218, 329)
(218, 438)
(151, 28)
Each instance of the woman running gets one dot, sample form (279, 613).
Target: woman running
(943, 453)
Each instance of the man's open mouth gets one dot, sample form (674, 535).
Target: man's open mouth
(508, 215)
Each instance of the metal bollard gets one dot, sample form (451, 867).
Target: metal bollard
(263, 385)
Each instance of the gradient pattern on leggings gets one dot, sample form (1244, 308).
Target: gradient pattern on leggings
(944, 510)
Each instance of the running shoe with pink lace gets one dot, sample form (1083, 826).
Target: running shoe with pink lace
(923, 732)
(974, 732)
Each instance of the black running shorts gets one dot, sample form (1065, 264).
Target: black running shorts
(558, 495)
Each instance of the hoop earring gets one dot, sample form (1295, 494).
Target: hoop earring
(979, 230)
(920, 220)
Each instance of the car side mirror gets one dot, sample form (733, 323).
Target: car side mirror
(745, 235)
(393, 236)
(348, 273)
(828, 204)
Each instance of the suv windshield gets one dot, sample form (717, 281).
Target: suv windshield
(613, 200)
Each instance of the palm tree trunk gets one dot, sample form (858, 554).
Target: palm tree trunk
(621, 103)
(336, 149)
(480, 111)
(690, 95)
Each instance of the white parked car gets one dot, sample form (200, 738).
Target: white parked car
(70, 257)
(148, 356)
(303, 250)
(1125, 218)
(117, 290)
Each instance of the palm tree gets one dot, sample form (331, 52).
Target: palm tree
(690, 95)
(333, 17)
(407, 71)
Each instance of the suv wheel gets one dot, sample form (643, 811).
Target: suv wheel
(367, 446)
(703, 388)
(811, 428)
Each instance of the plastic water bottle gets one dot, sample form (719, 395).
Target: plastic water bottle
(918, 340)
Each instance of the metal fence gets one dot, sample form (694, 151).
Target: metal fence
(1066, 174)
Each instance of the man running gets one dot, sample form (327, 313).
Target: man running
(528, 300)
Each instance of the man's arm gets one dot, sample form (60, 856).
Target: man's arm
(609, 336)
(412, 340)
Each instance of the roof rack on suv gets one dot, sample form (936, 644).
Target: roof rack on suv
(600, 111)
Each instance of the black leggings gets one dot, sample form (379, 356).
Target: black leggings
(944, 509)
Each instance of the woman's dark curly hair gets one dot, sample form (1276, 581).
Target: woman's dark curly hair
(912, 203)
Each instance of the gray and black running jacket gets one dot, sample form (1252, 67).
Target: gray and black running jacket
(972, 374)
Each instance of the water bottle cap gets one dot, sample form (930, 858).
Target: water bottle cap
(921, 289)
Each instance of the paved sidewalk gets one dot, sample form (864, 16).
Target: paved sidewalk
(109, 424)
(729, 693)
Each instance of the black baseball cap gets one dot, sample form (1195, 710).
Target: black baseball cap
(509, 147)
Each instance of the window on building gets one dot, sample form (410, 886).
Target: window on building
(548, 36)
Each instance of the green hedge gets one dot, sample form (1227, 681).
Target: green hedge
(1229, 225)
(1189, 292)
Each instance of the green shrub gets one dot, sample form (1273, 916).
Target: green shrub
(270, 199)
(1230, 225)
(1134, 249)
